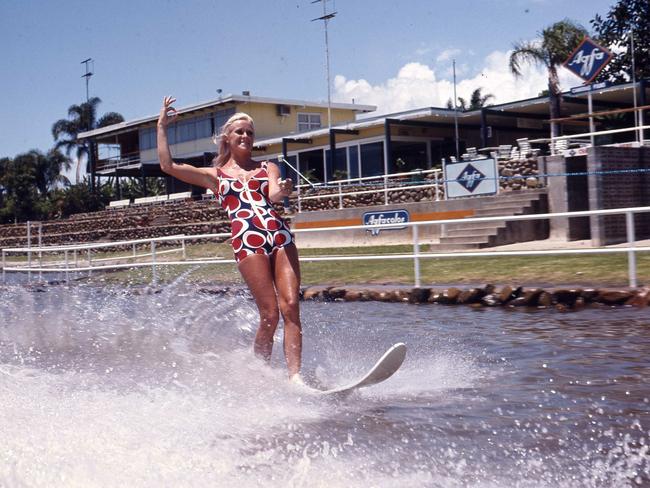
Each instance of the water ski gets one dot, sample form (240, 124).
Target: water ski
(387, 365)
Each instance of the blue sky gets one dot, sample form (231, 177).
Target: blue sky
(395, 54)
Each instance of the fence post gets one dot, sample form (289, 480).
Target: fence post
(631, 254)
(90, 263)
(40, 251)
(4, 265)
(340, 196)
(67, 272)
(154, 277)
(29, 251)
(435, 179)
(184, 250)
(416, 256)
(386, 189)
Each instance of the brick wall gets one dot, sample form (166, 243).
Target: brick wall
(618, 190)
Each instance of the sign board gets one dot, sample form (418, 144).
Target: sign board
(591, 87)
(588, 59)
(373, 219)
(471, 178)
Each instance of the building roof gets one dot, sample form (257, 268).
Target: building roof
(206, 106)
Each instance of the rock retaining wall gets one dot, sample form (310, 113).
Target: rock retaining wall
(562, 299)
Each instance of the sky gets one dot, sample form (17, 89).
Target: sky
(394, 54)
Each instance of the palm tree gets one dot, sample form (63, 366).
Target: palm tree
(476, 101)
(551, 50)
(82, 118)
(48, 169)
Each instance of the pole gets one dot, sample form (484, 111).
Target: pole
(416, 256)
(631, 254)
(326, 18)
(40, 251)
(592, 128)
(455, 112)
(639, 134)
(29, 251)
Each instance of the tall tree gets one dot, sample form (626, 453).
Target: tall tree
(625, 18)
(82, 118)
(477, 100)
(553, 47)
(47, 169)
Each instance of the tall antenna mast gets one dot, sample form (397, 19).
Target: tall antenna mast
(326, 18)
(455, 113)
(89, 63)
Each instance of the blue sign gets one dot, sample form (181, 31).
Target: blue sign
(592, 87)
(588, 59)
(470, 177)
(373, 219)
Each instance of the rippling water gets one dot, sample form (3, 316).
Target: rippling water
(108, 387)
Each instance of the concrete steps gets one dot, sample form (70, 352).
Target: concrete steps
(478, 235)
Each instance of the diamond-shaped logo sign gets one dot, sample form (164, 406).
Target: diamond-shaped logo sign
(470, 177)
(588, 59)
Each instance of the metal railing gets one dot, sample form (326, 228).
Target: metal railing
(91, 265)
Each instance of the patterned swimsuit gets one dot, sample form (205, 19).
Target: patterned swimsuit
(256, 227)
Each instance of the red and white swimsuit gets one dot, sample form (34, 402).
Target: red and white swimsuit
(256, 227)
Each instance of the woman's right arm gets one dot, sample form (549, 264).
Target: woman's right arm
(205, 177)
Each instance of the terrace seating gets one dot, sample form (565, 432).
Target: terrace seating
(525, 149)
(558, 145)
(504, 151)
(119, 203)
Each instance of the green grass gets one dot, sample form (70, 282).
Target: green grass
(585, 270)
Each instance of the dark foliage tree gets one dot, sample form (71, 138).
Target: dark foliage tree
(477, 100)
(82, 118)
(625, 18)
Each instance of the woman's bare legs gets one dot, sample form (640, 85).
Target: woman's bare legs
(286, 271)
(263, 276)
(257, 272)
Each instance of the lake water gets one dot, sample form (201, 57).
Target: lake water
(109, 387)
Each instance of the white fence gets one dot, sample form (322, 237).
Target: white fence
(78, 258)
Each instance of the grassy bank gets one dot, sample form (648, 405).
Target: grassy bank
(586, 270)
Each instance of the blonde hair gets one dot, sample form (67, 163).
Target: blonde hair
(221, 140)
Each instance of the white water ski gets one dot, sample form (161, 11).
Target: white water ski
(387, 365)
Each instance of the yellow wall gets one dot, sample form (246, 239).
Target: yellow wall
(269, 124)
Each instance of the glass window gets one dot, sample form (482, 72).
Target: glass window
(147, 138)
(354, 161)
(308, 122)
(372, 159)
(186, 130)
(171, 134)
(204, 128)
(339, 168)
(221, 117)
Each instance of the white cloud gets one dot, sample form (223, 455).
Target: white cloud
(416, 85)
(447, 55)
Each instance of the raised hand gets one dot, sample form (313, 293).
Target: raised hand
(286, 186)
(167, 113)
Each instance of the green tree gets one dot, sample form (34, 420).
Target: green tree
(47, 169)
(553, 47)
(82, 118)
(627, 16)
(78, 199)
(477, 100)
(19, 185)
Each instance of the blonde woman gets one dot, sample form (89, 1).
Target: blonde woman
(263, 245)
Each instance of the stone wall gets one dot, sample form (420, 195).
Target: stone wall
(193, 217)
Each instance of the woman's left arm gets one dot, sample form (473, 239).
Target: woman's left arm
(278, 188)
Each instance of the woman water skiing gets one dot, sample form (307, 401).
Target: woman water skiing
(264, 247)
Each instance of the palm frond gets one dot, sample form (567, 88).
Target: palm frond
(526, 52)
